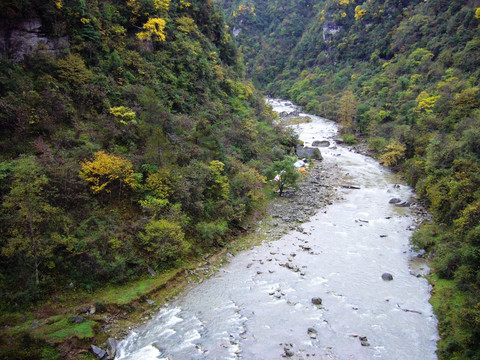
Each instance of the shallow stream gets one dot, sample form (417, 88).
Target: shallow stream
(259, 306)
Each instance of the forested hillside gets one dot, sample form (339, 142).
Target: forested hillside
(129, 142)
(403, 75)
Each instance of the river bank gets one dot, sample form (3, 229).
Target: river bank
(317, 189)
(337, 285)
(74, 322)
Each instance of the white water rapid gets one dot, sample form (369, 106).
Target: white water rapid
(254, 308)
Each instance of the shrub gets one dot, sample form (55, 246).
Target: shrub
(212, 233)
(349, 139)
(163, 241)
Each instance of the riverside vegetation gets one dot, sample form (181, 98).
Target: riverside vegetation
(131, 146)
(130, 141)
(404, 76)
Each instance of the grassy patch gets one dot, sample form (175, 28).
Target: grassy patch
(65, 329)
(125, 294)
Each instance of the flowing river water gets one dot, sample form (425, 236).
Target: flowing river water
(259, 306)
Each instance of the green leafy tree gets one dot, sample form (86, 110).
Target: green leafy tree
(72, 68)
(219, 186)
(283, 174)
(31, 216)
(213, 232)
(163, 241)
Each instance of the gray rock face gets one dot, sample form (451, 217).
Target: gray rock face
(27, 38)
(403, 204)
(387, 277)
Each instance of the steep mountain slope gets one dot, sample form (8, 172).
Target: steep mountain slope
(267, 32)
(405, 75)
(129, 141)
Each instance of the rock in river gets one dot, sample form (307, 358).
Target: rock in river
(313, 153)
(99, 353)
(317, 301)
(387, 277)
(321, 143)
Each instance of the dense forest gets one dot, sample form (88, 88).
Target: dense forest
(404, 77)
(130, 142)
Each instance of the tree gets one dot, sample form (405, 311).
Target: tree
(108, 172)
(218, 184)
(283, 174)
(123, 115)
(393, 152)
(163, 241)
(31, 215)
(347, 111)
(161, 5)
(72, 68)
(154, 28)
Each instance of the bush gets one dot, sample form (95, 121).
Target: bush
(163, 241)
(283, 174)
(349, 139)
(212, 233)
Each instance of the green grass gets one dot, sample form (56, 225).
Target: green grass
(64, 329)
(125, 294)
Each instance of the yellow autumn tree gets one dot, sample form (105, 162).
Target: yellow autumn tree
(123, 115)
(359, 13)
(161, 5)
(160, 183)
(393, 152)
(425, 103)
(107, 173)
(154, 29)
(347, 111)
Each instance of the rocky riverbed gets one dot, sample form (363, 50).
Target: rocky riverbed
(317, 189)
(330, 277)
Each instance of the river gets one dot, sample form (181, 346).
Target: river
(259, 305)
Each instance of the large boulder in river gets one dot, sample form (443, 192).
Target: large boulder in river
(321, 143)
(394, 201)
(403, 204)
(313, 153)
(98, 352)
(387, 277)
(317, 301)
